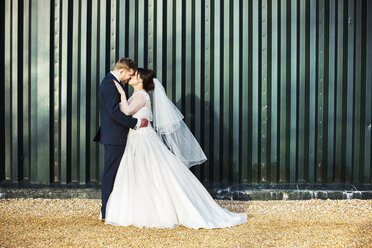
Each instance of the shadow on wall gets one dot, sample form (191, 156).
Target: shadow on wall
(205, 124)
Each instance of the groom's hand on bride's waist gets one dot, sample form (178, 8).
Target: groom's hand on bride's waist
(141, 123)
(144, 123)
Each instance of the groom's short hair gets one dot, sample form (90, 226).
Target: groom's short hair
(126, 63)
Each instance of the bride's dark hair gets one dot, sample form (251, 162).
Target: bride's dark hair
(147, 76)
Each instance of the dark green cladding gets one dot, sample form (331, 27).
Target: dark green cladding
(276, 91)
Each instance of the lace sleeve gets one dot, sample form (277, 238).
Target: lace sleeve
(130, 108)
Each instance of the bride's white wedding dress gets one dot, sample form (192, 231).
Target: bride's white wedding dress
(153, 188)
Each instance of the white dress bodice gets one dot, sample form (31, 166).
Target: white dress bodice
(145, 110)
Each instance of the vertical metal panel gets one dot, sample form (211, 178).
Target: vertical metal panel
(187, 79)
(255, 91)
(312, 88)
(366, 99)
(339, 90)
(178, 54)
(159, 38)
(358, 93)
(43, 91)
(245, 93)
(63, 86)
(56, 117)
(206, 95)
(321, 80)
(141, 34)
(284, 163)
(101, 61)
(94, 83)
(114, 21)
(368, 120)
(225, 88)
(196, 102)
(169, 51)
(33, 92)
(302, 83)
(14, 89)
(132, 28)
(40, 93)
(350, 91)
(330, 98)
(272, 90)
(83, 91)
(264, 92)
(26, 90)
(75, 82)
(293, 145)
(216, 90)
(8, 88)
(150, 37)
(121, 8)
(236, 87)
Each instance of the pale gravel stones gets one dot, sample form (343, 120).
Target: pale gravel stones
(74, 223)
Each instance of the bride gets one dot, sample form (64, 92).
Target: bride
(154, 186)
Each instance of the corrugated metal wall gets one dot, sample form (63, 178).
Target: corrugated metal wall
(276, 91)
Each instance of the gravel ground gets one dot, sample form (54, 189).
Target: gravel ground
(74, 223)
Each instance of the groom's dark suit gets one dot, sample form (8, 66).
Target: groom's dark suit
(113, 133)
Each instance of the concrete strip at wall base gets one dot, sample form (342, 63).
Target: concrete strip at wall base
(262, 195)
(50, 193)
(224, 194)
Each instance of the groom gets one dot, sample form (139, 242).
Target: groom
(114, 124)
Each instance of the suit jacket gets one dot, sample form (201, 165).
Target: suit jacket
(114, 123)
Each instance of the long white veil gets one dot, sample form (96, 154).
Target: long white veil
(168, 123)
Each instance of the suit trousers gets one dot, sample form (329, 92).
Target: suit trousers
(113, 155)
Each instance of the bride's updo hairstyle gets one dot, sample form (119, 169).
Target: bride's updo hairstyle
(147, 77)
